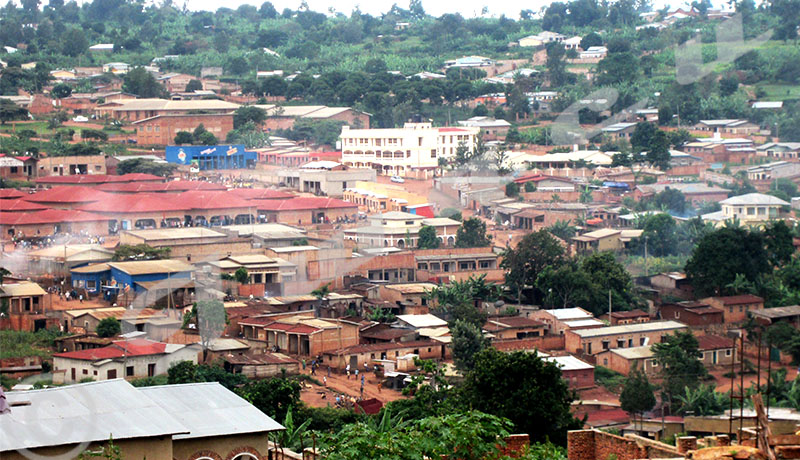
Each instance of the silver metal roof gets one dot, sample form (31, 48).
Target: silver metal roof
(630, 329)
(82, 413)
(209, 409)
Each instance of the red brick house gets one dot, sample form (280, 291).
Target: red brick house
(692, 313)
(161, 129)
(736, 307)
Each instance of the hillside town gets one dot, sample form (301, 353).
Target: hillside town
(471, 237)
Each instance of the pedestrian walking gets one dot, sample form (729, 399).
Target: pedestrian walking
(304, 364)
(380, 385)
(329, 370)
(347, 369)
(325, 381)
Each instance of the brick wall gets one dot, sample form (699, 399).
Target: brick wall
(162, 130)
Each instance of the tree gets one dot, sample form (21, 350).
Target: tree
(183, 138)
(607, 276)
(143, 84)
(61, 91)
(182, 372)
(468, 340)
(211, 319)
(247, 114)
(273, 397)
(241, 276)
(512, 189)
(427, 238)
(140, 165)
(74, 43)
(637, 395)
(722, 254)
(194, 85)
(524, 263)
(671, 199)
(523, 388)
(779, 243)
(472, 234)
(556, 65)
(591, 39)
(565, 285)
(322, 291)
(201, 136)
(678, 357)
(108, 327)
(10, 111)
(660, 230)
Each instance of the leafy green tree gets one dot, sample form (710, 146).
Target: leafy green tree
(74, 42)
(194, 85)
(779, 241)
(108, 327)
(512, 189)
(637, 395)
(702, 401)
(565, 285)
(428, 238)
(472, 234)
(274, 396)
(591, 39)
(660, 231)
(183, 138)
(247, 114)
(556, 65)
(678, 357)
(241, 276)
(468, 340)
(322, 291)
(722, 254)
(562, 229)
(10, 111)
(139, 165)
(143, 84)
(523, 388)
(607, 276)
(527, 260)
(61, 91)
(182, 372)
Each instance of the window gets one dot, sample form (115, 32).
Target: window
(653, 363)
(620, 343)
(605, 344)
(433, 153)
(129, 371)
(605, 361)
(642, 341)
(677, 314)
(728, 352)
(85, 372)
(741, 308)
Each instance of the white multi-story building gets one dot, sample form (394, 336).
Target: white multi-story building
(412, 151)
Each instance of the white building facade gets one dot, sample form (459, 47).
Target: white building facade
(411, 151)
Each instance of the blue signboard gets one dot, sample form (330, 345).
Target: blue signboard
(208, 157)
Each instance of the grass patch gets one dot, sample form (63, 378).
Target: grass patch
(18, 344)
(611, 380)
(780, 92)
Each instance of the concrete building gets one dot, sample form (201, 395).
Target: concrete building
(605, 239)
(272, 271)
(716, 350)
(735, 308)
(790, 314)
(628, 317)
(169, 422)
(449, 262)
(490, 127)
(514, 328)
(696, 194)
(730, 126)
(401, 230)
(374, 197)
(69, 165)
(780, 150)
(327, 178)
(188, 243)
(305, 210)
(619, 131)
(752, 208)
(541, 39)
(134, 358)
(411, 151)
(52, 222)
(563, 319)
(594, 341)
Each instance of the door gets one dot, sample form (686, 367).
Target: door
(111, 374)
(714, 357)
(73, 374)
(151, 369)
(354, 362)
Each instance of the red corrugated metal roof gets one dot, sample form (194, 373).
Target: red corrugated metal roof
(302, 203)
(9, 193)
(68, 194)
(118, 349)
(98, 179)
(19, 206)
(452, 130)
(261, 194)
(172, 186)
(49, 216)
(211, 200)
(134, 203)
(713, 342)
(741, 299)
